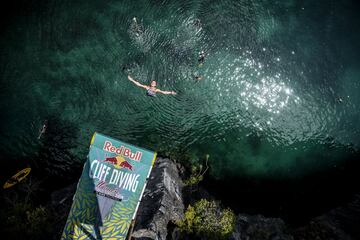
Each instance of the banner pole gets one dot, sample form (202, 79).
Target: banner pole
(131, 229)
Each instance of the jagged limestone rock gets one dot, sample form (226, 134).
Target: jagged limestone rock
(162, 202)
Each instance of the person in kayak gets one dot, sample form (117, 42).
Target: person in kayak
(150, 90)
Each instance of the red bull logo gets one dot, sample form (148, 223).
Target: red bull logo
(126, 165)
(122, 151)
(119, 162)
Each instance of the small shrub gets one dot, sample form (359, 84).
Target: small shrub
(38, 221)
(197, 173)
(31, 222)
(207, 219)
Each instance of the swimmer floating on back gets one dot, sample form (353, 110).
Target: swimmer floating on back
(150, 90)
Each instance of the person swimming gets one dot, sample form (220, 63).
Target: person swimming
(150, 90)
(137, 28)
(43, 129)
(197, 76)
(201, 58)
(196, 22)
(339, 99)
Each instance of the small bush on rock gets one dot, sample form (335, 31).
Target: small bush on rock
(207, 219)
(197, 173)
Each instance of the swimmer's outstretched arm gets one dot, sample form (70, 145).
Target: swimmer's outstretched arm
(137, 83)
(165, 92)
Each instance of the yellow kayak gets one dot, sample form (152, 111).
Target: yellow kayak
(17, 178)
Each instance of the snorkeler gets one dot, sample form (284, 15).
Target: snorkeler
(197, 76)
(201, 58)
(137, 28)
(196, 22)
(43, 129)
(150, 90)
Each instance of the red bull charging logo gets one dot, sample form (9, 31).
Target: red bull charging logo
(119, 162)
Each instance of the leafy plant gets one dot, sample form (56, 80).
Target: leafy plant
(38, 221)
(197, 173)
(207, 219)
(31, 222)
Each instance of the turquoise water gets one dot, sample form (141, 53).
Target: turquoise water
(269, 105)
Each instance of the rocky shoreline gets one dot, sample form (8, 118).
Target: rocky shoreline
(166, 196)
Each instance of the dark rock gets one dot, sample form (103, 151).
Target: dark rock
(64, 195)
(162, 202)
(260, 228)
(61, 202)
(339, 223)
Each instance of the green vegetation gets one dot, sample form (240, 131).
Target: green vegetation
(207, 219)
(24, 218)
(38, 219)
(197, 173)
(29, 221)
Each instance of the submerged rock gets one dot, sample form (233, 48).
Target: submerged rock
(162, 203)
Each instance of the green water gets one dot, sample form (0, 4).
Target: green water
(267, 107)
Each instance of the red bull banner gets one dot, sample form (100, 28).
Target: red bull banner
(109, 191)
